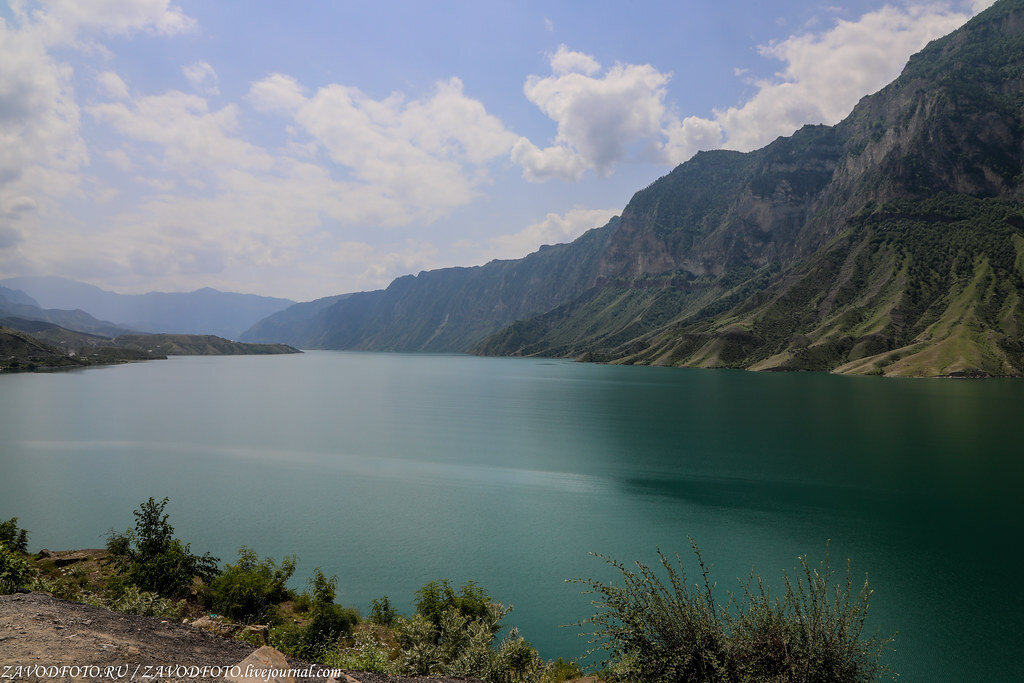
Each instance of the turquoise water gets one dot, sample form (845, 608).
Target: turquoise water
(391, 470)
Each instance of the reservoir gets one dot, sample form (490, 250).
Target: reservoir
(391, 470)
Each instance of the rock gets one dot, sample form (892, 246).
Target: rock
(265, 665)
(213, 626)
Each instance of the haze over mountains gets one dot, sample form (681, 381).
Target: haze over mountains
(892, 242)
(204, 311)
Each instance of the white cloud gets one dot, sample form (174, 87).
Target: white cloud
(202, 77)
(620, 115)
(277, 93)
(113, 85)
(63, 21)
(424, 156)
(600, 119)
(825, 74)
(552, 229)
(119, 158)
(565, 61)
(189, 134)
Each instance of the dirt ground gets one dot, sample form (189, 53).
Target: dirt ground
(46, 639)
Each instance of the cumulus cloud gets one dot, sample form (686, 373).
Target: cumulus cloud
(566, 61)
(604, 119)
(600, 119)
(826, 73)
(63, 21)
(424, 156)
(202, 77)
(277, 93)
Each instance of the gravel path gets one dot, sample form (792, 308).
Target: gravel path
(41, 635)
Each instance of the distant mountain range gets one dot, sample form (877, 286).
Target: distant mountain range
(891, 243)
(204, 311)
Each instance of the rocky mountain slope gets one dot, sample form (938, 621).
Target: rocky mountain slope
(890, 243)
(442, 310)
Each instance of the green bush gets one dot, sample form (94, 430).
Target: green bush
(435, 598)
(368, 653)
(453, 635)
(15, 571)
(153, 560)
(561, 670)
(13, 536)
(382, 612)
(654, 631)
(128, 599)
(250, 589)
(328, 623)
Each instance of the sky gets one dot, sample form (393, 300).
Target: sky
(305, 149)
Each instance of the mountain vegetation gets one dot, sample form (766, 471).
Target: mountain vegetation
(38, 345)
(891, 243)
(651, 624)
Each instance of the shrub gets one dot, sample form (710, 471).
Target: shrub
(655, 631)
(461, 643)
(152, 559)
(15, 571)
(128, 599)
(328, 622)
(250, 589)
(561, 670)
(435, 598)
(382, 612)
(368, 653)
(13, 536)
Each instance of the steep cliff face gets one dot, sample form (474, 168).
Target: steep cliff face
(889, 243)
(443, 310)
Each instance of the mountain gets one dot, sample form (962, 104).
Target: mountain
(75, 320)
(204, 311)
(16, 296)
(891, 243)
(442, 310)
(20, 351)
(36, 344)
(195, 345)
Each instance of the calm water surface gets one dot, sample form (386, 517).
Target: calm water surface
(391, 470)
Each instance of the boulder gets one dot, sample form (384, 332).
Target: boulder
(265, 665)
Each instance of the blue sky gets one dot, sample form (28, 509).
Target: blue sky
(320, 147)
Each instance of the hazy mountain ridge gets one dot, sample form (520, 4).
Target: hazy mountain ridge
(203, 311)
(77, 319)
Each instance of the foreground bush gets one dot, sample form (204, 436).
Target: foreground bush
(15, 571)
(453, 635)
(153, 560)
(250, 589)
(653, 631)
(318, 639)
(13, 536)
